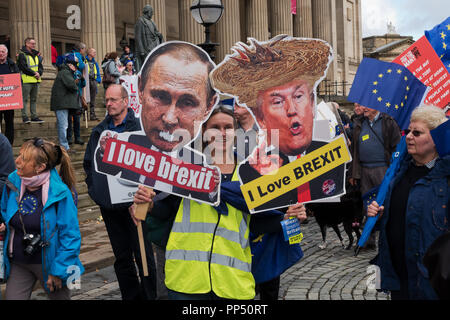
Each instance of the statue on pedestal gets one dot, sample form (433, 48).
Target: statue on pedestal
(147, 36)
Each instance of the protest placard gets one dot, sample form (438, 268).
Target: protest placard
(421, 59)
(276, 81)
(175, 99)
(297, 173)
(10, 92)
(131, 84)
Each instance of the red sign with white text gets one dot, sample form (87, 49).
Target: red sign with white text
(10, 92)
(158, 166)
(421, 59)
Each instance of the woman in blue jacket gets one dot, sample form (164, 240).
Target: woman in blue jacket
(43, 238)
(415, 211)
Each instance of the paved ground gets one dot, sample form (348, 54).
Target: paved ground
(329, 274)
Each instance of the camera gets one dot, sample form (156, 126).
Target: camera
(31, 243)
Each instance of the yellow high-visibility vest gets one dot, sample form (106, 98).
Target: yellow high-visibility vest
(33, 64)
(210, 252)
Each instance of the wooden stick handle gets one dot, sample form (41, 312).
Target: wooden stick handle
(142, 247)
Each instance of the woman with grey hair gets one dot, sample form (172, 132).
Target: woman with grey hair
(415, 211)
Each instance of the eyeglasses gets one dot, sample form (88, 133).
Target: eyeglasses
(414, 132)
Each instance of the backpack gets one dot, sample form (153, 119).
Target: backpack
(107, 77)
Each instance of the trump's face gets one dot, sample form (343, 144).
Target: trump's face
(289, 109)
(174, 101)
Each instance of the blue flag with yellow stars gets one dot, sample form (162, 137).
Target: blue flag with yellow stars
(439, 37)
(387, 87)
(441, 138)
(370, 196)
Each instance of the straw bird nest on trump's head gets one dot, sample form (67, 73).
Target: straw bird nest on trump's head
(259, 66)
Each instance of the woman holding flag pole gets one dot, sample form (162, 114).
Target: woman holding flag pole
(415, 211)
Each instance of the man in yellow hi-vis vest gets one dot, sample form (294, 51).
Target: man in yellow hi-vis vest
(29, 62)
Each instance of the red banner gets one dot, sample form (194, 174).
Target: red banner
(294, 6)
(421, 59)
(10, 92)
(158, 166)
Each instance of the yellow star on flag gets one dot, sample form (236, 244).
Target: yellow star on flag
(406, 78)
(380, 75)
(443, 35)
(375, 83)
(399, 71)
(444, 45)
(375, 91)
(407, 88)
(448, 27)
(396, 106)
(380, 99)
(388, 104)
(406, 97)
(401, 104)
(389, 71)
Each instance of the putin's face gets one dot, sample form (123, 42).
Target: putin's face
(175, 101)
(289, 109)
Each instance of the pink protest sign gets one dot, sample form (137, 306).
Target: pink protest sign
(10, 92)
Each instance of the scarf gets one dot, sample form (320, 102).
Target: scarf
(42, 179)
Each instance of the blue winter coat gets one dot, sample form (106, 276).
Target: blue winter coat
(427, 217)
(61, 232)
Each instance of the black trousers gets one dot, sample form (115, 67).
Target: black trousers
(268, 291)
(8, 115)
(124, 239)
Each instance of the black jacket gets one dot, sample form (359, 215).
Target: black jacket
(22, 62)
(12, 66)
(97, 182)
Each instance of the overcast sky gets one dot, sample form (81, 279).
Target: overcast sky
(409, 17)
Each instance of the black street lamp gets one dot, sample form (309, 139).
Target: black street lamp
(207, 13)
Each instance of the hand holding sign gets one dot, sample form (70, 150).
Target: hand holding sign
(104, 141)
(298, 211)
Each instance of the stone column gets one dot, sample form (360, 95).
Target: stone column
(281, 22)
(31, 18)
(190, 30)
(228, 29)
(257, 20)
(95, 32)
(159, 13)
(324, 27)
(303, 26)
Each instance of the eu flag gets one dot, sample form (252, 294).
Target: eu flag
(387, 87)
(370, 196)
(439, 37)
(441, 138)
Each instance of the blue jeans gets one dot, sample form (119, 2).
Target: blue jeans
(62, 123)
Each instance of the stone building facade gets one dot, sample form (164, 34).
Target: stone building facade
(102, 24)
(386, 47)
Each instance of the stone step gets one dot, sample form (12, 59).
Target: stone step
(88, 213)
(84, 201)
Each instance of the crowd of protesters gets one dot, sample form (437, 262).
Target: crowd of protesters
(32, 190)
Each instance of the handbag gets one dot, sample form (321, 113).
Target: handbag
(108, 78)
